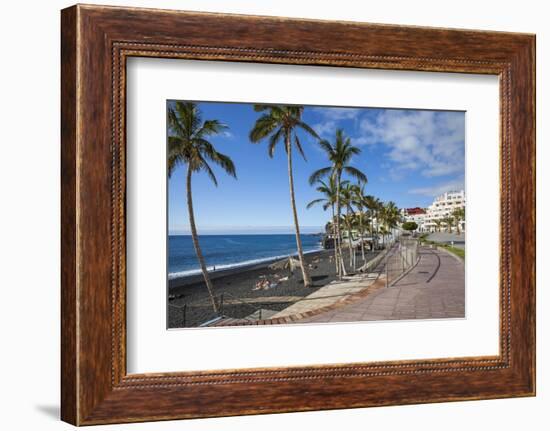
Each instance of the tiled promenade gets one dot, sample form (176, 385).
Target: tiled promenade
(330, 294)
(434, 288)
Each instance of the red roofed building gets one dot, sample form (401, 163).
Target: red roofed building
(414, 211)
(417, 215)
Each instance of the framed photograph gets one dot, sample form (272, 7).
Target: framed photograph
(326, 214)
(358, 258)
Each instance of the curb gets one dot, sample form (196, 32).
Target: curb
(459, 259)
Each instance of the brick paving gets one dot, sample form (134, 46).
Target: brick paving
(330, 294)
(257, 300)
(434, 288)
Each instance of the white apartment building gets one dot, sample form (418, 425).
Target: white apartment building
(443, 206)
(417, 215)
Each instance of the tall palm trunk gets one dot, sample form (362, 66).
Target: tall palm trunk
(341, 266)
(372, 229)
(334, 240)
(305, 272)
(350, 240)
(195, 238)
(377, 228)
(362, 232)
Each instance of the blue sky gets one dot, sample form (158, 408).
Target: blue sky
(409, 157)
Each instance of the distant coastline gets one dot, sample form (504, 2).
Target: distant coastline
(252, 231)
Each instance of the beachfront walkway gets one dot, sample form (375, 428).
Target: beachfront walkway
(330, 294)
(434, 288)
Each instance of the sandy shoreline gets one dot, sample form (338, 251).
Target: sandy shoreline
(186, 280)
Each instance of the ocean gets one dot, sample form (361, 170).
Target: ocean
(229, 251)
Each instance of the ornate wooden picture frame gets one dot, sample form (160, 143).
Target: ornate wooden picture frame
(96, 41)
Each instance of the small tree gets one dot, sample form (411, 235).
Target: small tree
(458, 216)
(410, 226)
(448, 220)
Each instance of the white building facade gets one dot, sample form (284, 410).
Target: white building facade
(442, 207)
(417, 215)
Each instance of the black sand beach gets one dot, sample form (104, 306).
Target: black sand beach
(241, 292)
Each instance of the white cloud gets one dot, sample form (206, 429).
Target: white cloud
(336, 114)
(326, 129)
(360, 140)
(438, 189)
(429, 141)
(330, 118)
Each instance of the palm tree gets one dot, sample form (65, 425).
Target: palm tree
(280, 123)
(379, 215)
(339, 154)
(438, 223)
(383, 231)
(328, 190)
(448, 220)
(373, 204)
(390, 216)
(458, 215)
(360, 202)
(382, 226)
(350, 221)
(188, 144)
(347, 199)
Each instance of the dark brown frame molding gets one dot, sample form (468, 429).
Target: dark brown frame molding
(95, 43)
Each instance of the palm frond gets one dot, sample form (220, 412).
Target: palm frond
(299, 147)
(314, 202)
(356, 173)
(263, 108)
(189, 116)
(211, 127)
(204, 166)
(263, 127)
(226, 164)
(308, 129)
(175, 153)
(325, 145)
(174, 123)
(175, 146)
(273, 141)
(173, 162)
(208, 150)
(318, 174)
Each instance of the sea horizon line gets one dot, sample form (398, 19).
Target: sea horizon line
(319, 231)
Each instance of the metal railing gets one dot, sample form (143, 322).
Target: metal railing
(250, 306)
(196, 312)
(399, 260)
